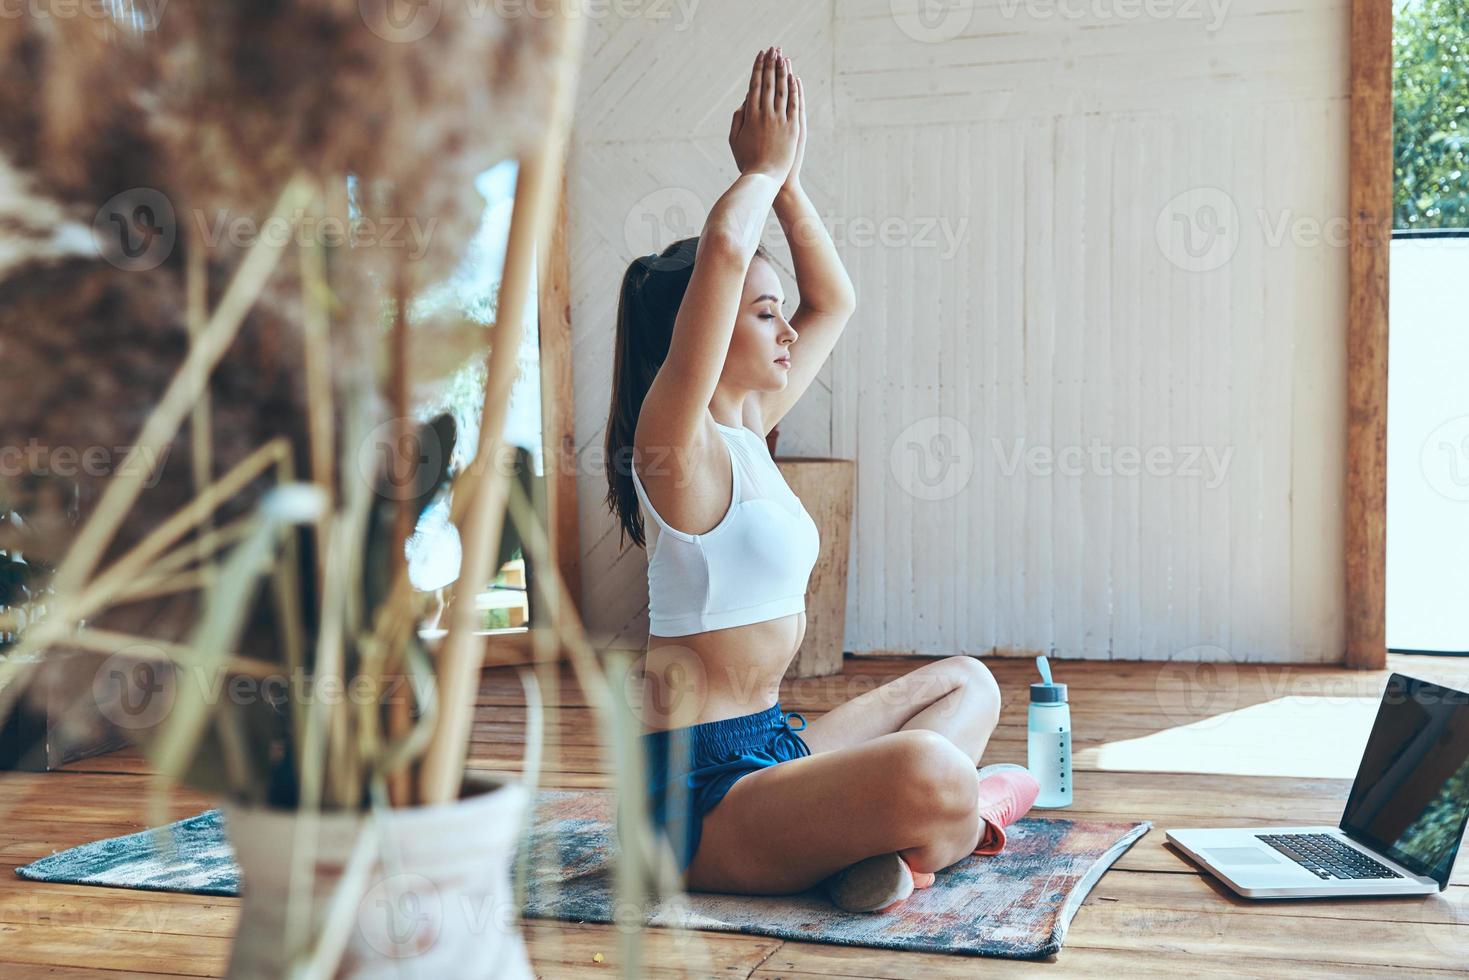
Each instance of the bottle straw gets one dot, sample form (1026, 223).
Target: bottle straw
(1045, 668)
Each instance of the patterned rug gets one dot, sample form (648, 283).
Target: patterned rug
(1017, 904)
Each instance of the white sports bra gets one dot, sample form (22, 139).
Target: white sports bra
(752, 566)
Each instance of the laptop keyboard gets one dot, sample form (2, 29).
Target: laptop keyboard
(1326, 857)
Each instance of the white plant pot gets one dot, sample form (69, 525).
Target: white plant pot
(437, 902)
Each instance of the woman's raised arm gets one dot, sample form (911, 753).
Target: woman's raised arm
(827, 298)
(763, 137)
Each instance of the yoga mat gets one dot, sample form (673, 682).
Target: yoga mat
(1017, 904)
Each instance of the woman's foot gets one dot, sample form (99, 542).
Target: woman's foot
(876, 884)
(1006, 793)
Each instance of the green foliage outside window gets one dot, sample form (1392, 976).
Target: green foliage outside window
(1431, 114)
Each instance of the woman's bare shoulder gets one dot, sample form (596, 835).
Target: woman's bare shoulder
(685, 483)
(667, 452)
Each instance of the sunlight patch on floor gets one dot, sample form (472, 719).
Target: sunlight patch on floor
(1320, 737)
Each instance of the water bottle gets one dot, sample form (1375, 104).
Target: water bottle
(1050, 739)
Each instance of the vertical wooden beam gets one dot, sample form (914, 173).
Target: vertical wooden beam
(558, 418)
(1370, 191)
(484, 481)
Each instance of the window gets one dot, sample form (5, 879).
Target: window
(1428, 414)
(433, 551)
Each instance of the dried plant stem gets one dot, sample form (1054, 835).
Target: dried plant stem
(196, 287)
(274, 454)
(536, 196)
(356, 500)
(400, 782)
(316, 297)
(325, 953)
(179, 558)
(619, 728)
(183, 391)
(286, 592)
(168, 575)
(315, 747)
(219, 629)
(163, 651)
(156, 586)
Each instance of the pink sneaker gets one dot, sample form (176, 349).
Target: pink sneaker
(875, 884)
(1006, 793)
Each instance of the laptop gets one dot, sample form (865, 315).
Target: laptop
(1403, 821)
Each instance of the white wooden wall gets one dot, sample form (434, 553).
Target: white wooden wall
(1011, 184)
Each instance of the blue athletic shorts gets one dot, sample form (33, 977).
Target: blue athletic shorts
(690, 769)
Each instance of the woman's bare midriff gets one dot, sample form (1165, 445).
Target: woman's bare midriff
(690, 680)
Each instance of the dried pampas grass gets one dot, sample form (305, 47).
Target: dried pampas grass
(214, 109)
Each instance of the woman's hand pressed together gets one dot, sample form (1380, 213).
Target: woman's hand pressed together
(765, 131)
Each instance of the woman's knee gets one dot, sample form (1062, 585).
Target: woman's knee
(934, 777)
(981, 684)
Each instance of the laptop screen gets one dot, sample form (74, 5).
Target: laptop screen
(1411, 797)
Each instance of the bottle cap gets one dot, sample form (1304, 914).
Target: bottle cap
(1048, 694)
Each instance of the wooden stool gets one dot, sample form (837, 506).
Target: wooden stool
(826, 488)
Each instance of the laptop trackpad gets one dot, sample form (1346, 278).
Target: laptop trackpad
(1241, 855)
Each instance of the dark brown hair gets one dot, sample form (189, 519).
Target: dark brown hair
(653, 287)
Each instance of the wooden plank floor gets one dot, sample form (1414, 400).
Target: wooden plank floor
(1178, 744)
